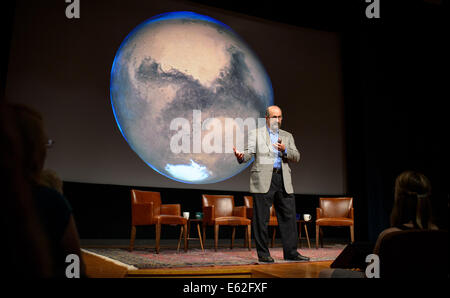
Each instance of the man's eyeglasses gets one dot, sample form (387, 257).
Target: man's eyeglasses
(277, 117)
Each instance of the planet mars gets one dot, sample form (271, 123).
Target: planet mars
(183, 66)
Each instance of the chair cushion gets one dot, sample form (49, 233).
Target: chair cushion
(232, 221)
(170, 219)
(334, 221)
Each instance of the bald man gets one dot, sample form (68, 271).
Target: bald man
(270, 183)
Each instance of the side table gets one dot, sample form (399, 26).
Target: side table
(304, 223)
(198, 222)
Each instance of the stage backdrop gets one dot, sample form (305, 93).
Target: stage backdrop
(62, 67)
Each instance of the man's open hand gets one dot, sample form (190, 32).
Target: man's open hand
(239, 155)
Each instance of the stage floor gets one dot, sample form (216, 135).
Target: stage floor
(98, 267)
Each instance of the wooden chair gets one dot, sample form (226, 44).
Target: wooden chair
(336, 212)
(146, 209)
(273, 222)
(219, 210)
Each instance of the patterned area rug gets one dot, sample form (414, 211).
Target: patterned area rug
(170, 258)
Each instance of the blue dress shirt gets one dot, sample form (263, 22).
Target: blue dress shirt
(274, 139)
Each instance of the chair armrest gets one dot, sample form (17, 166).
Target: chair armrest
(352, 214)
(318, 213)
(240, 211)
(208, 214)
(171, 209)
(249, 212)
(142, 214)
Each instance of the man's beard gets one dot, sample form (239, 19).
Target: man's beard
(275, 126)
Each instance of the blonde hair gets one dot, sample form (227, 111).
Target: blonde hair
(50, 179)
(30, 126)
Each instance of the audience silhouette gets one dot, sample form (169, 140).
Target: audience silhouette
(412, 205)
(411, 211)
(38, 219)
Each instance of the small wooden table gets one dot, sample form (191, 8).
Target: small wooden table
(198, 222)
(300, 222)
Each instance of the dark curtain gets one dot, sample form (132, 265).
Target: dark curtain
(395, 106)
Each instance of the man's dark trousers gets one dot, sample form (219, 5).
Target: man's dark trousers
(285, 209)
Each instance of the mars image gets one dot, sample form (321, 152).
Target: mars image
(190, 68)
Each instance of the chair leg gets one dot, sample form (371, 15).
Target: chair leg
(317, 236)
(179, 238)
(133, 236)
(352, 233)
(200, 236)
(249, 237)
(307, 236)
(321, 237)
(158, 236)
(233, 234)
(216, 236)
(204, 235)
(185, 229)
(245, 237)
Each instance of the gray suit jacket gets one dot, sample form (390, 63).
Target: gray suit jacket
(258, 146)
